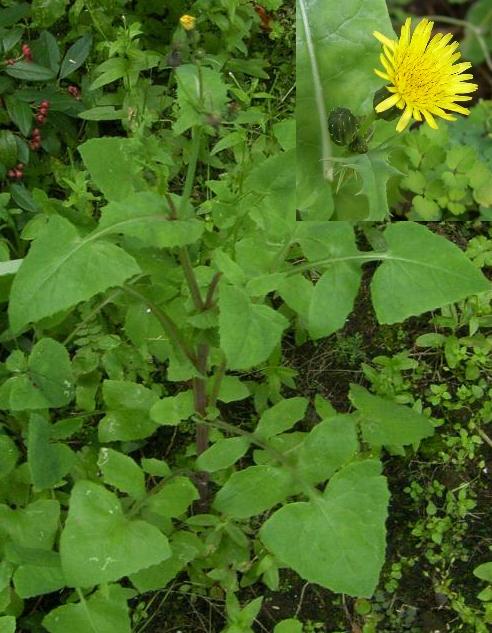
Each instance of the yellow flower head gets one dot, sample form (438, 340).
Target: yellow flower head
(188, 22)
(424, 79)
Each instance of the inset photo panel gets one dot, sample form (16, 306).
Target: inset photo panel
(393, 111)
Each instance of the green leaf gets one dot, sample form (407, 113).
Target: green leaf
(8, 148)
(50, 371)
(145, 216)
(88, 556)
(48, 462)
(102, 113)
(29, 71)
(13, 14)
(374, 171)
(288, 626)
(121, 471)
(47, 52)
(232, 389)
(185, 546)
(76, 55)
(325, 241)
(426, 208)
(47, 381)
(338, 539)
(248, 332)
(253, 490)
(484, 572)
(128, 407)
(329, 446)
(155, 467)
(37, 580)
(271, 199)
(63, 269)
(47, 12)
(172, 410)
(105, 611)
(436, 273)
(222, 454)
(285, 133)
(7, 624)
(21, 114)
(200, 92)
(9, 454)
(34, 526)
(385, 423)
(281, 417)
(111, 165)
(173, 499)
(111, 70)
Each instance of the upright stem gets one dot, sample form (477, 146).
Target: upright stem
(200, 400)
(196, 135)
(184, 258)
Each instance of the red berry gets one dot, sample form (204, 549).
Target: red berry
(18, 174)
(36, 132)
(40, 118)
(74, 91)
(11, 173)
(44, 104)
(34, 145)
(43, 111)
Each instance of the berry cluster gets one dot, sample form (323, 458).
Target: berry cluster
(10, 62)
(42, 114)
(26, 52)
(35, 142)
(74, 92)
(17, 173)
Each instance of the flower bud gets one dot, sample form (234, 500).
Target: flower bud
(359, 145)
(342, 126)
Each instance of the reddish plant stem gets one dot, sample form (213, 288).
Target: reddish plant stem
(209, 299)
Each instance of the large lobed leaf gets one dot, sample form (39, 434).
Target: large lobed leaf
(99, 544)
(418, 271)
(338, 539)
(62, 269)
(421, 271)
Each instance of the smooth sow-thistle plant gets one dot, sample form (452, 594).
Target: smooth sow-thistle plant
(425, 79)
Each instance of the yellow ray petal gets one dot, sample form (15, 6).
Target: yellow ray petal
(387, 103)
(385, 40)
(382, 75)
(430, 119)
(440, 112)
(454, 107)
(404, 119)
